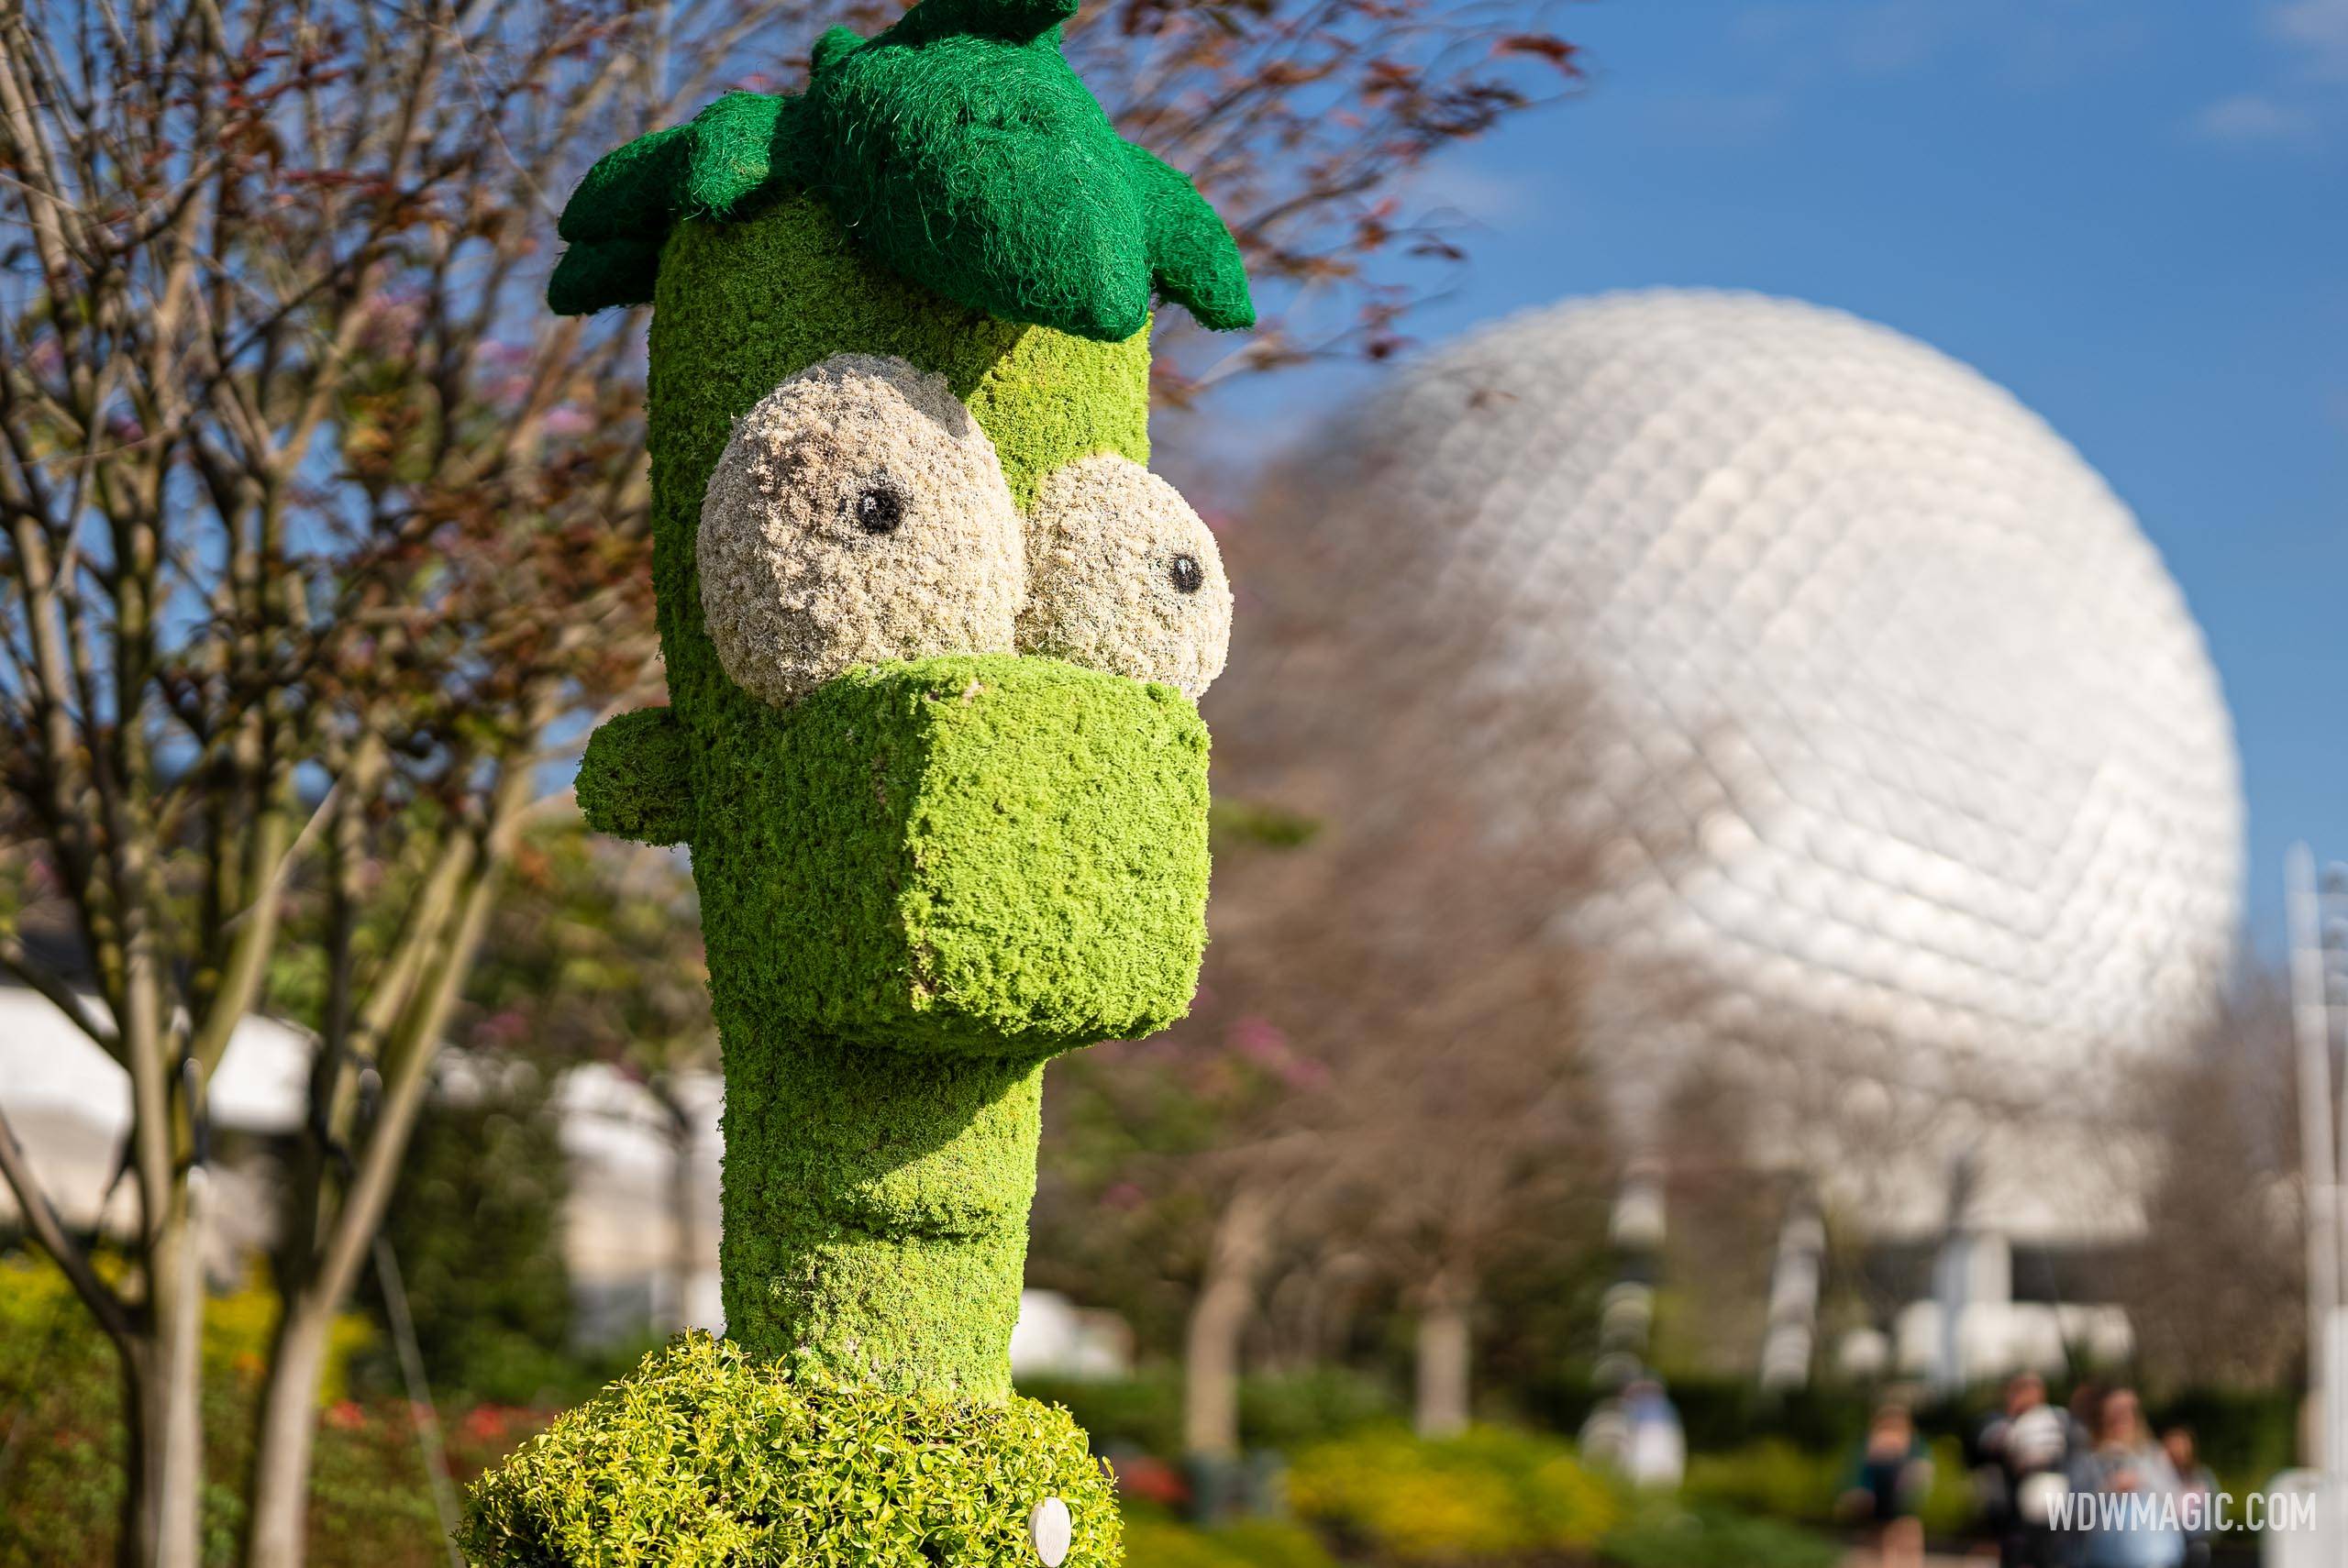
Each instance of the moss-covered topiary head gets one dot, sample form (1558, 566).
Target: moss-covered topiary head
(933, 637)
(899, 405)
(957, 149)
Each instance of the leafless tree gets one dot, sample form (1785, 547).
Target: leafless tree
(2211, 1288)
(1417, 949)
(321, 541)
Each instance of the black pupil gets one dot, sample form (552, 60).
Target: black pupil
(879, 509)
(1187, 575)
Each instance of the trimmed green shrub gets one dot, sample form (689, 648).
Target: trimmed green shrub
(1665, 1536)
(476, 1224)
(989, 854)
(1154, 1542)
(61, 1439)
(1771, 1478)
(1289, 1410)
(1488, 1494)
(1775, 1479)
(703, 1457)
(1721, 1413)
(2247, 1432)
(919, 881)
(1143, 1412)
(1280, 1410)
(1949, 1506)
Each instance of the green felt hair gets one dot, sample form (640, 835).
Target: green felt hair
(703, 1458)
(959, 150)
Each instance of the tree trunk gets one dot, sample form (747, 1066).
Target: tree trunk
(1243, 1239)
(134, 1540)
(280, 1482)
(1443, 1353)
(323, 1263)
(179, 1328)
(162, 1431)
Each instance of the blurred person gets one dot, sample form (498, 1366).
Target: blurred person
(2028, 1448)
(2081, 1415)
(1605, 1436)
(1655, 1447)
(2127, 1463)
(2085, 1414)
(1889, 1480)
(2197, 1493)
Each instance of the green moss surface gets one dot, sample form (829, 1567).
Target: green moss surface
(959, 150)
(882, 1016)
(636, 782)
(990, 853)
(742, 305)
(875, 1210)
(701, 1458)
(917, 882)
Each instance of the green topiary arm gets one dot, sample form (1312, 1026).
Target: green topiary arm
(636, 782)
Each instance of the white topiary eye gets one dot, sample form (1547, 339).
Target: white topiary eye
(1123, 577)
(858, 515)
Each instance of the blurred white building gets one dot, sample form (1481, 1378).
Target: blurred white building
(642, 1188)
(1924, 800)
(632, 1175)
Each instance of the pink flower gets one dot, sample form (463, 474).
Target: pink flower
(567, 419)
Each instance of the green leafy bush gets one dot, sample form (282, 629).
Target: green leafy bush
(1666, 1536)
(1771, 1478)
(1154, 1542)
(1776, 1479)
(2249, 1433)
(1284, 1410)
(1489, 1494)
(476, 1224)
(1143, 1412)
(60, 1440)
(703, 1457)
(1294, 1409)
(1948, 1507)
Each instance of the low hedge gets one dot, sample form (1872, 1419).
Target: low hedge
(1775, 1479)
(1285, 1411)
(1155, 1541)
(703, 1458)
(61, 1436)
(1488, 1495)
(1664, 1536)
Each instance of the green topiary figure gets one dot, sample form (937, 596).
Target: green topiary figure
(933, 637)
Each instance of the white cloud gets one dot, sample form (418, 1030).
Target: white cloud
(2317, 27)
(2249, 117)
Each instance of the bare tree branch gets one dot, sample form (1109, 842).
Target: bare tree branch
(41, 1220)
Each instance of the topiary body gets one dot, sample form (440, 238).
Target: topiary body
(924, 877)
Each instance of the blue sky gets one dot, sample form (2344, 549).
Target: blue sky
(2134, 213)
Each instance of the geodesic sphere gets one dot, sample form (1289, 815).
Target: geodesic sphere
(1934, 742)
